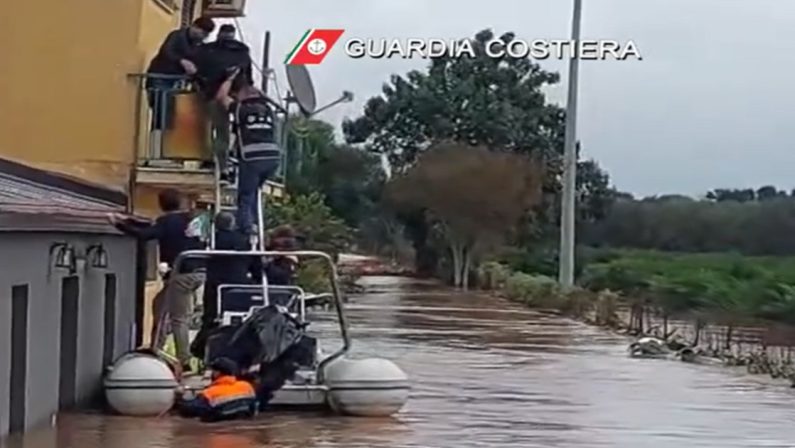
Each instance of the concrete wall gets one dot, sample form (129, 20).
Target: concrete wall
(27, 261)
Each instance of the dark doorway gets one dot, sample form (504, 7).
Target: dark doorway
(109, 342)
(67, 383)
(19, 357)
(141, 264)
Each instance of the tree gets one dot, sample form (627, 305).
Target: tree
(307, 141)
(769, 192)
(350, 179)
(495, 102)
(314, 222)
(729, 221)
(738, 195)
(474, 196)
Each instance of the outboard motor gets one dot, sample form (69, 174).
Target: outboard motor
(270, 339)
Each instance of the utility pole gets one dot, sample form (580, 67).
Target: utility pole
(568, 205)
(266, 69)
(266, 50)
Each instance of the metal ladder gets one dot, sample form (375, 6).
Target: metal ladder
(226, 200)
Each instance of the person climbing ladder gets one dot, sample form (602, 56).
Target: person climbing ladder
(259, 154)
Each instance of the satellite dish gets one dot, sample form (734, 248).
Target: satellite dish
(301, 86)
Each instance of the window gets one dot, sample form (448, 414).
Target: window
(67, 382)
(19, 357)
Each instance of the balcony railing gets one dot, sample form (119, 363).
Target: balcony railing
(172, 126)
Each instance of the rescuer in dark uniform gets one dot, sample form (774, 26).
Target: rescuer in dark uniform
(259, 155)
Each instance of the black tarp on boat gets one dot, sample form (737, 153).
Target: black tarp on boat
(270, 338)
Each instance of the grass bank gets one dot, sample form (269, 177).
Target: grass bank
(740, 310)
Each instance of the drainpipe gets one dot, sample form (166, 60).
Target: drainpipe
(139, 82)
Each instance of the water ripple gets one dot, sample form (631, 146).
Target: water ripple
(488, 373)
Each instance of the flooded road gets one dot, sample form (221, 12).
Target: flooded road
(488, 373)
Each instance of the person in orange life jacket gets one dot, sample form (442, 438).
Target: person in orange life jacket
(172, 232)
(225, 398)
(258, 152)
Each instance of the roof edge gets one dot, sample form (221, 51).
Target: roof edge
(64, 182)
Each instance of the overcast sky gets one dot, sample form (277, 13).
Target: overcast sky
(711, 104)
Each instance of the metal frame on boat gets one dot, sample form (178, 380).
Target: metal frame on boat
(310, 390)
(373, 386)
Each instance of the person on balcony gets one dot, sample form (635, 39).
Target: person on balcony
(259, 155)
(174, 61)
(216, 60)
(173, 303)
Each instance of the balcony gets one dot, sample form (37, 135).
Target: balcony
(173, 137)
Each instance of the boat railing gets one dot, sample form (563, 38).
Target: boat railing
(297, 292)
(336, 293)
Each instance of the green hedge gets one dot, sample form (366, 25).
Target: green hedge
(725, 287)
(541, 291)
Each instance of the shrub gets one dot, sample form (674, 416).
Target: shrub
(535, 290)
(726, 288)
(492, 275)
(313, 277)
(607, 308)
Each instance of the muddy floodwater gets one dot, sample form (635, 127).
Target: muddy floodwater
(487, 373)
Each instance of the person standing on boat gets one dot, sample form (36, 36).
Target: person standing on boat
(224, 270)
(281, 270)
(173, 303)
(258, 152)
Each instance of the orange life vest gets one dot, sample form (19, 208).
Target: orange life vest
(226, 390)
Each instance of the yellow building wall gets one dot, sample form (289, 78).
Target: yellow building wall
(65, 98)
(156, 22)
(67, 102)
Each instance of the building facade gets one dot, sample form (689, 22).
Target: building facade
(73, 100)
(69, 303)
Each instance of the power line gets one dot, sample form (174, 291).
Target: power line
(271, 74)
(245, 41)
